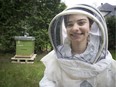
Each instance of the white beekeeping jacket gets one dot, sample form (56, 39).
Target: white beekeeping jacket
(70, 73)
(93, 68)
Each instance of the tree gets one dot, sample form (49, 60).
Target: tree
(32, 16)
(111, 24)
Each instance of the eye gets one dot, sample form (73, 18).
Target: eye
(81, 23)
(70, 24)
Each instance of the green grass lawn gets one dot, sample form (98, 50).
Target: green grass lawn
(22, 75)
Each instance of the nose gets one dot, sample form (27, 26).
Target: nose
(75, 26)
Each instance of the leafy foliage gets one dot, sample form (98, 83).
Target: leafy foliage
(18, 17)
(111, 23)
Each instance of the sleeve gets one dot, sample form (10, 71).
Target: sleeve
(46, 83)
(47, 80)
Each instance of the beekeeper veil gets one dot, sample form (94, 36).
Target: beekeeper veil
(98, 38)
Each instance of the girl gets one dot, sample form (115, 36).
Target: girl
(80, 57)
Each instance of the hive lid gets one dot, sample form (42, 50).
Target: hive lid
(24, 38)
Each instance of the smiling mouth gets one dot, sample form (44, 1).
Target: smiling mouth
(76, 34)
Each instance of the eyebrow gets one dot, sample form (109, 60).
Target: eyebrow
(77, 20)
(82, 20)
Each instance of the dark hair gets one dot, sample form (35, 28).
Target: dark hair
(90, 21)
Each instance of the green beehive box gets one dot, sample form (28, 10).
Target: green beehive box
(24, 46)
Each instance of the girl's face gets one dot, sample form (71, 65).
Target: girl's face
(78, 28)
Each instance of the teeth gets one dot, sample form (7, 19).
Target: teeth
(76, 34)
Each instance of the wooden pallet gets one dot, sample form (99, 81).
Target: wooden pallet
(23, 59)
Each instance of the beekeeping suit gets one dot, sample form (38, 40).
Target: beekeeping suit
(93, 68)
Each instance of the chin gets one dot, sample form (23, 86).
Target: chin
(76, 40)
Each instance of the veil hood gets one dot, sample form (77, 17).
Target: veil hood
(98, 32)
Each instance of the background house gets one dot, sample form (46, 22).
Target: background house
(109, 12)
(108, 9)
